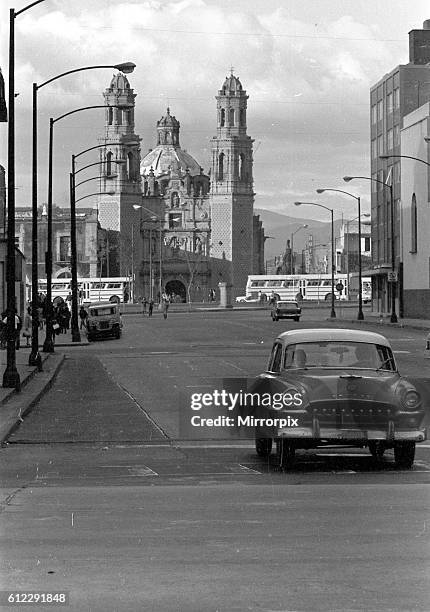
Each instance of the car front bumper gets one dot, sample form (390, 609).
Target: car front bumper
(391, 434)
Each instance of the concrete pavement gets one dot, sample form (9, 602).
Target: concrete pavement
(14, 405)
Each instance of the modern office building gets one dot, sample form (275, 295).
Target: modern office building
(395, 95)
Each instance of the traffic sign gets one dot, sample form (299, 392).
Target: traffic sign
(392, 277)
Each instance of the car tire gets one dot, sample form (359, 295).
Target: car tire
(263, 447)
(404, 454)
(285, 452)
(377, 449)
(297, 319)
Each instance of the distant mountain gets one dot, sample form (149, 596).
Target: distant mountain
(280, 227)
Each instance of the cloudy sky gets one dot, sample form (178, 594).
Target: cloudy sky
(307, 66)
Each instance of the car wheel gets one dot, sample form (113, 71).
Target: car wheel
(285, 452)
(297, 319)
(327, 297)
(377, 449)
(263, 446)
(404, 454)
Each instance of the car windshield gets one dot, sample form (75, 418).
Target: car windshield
(336, 354)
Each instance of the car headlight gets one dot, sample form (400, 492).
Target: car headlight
(409, 397)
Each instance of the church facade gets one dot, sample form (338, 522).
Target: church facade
(180, 230)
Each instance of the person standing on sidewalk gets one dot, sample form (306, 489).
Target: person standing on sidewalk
(144, 305)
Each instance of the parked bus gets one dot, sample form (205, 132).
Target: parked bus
(312, 287)
(90, 289)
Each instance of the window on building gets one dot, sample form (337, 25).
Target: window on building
(396, 98)
(64, 248)
(222, 118)
(414, 225)
(242, 167)
(242, 117)
(380, 145)
(396, 135)
(109, 164)
(175, 220)
(373, 149)
(231, 116)
(366, 244)
(130, 166)
(389, 103)
(110, 115)
(379, 110)
(396, 172)
(390, 140)
(119, 116)
(221, 167)
(373, 114)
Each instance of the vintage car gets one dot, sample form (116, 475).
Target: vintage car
(248, 299)
(285, 309)
(104, 320)
(338, 386)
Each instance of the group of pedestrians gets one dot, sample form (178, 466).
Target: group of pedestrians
(148, 305)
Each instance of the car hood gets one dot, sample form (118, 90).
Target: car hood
(321, 384)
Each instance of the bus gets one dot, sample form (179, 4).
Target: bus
(90, 289)
(308, 287)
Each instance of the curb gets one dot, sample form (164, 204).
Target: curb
(424, 327)
(16, 405)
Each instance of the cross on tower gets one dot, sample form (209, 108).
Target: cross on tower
(231, 70)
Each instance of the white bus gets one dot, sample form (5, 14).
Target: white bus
(90, 289)
(312, 287)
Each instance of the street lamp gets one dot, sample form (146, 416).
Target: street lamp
(393, 318)
(76, 336)
(360, 315)
(332, 313)
(11, 376)
(35, 358)
(160, 281)
(292, 249)
(48, 346)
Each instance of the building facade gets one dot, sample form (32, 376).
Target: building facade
(415, 197)
(393, 97)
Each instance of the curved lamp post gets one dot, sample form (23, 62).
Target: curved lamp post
(76, 336)
(393, 318)
(160, 281)
(292, 248)
(11, 377)
(333, 312)
(48, 346)
(360, 315)
(126, 67)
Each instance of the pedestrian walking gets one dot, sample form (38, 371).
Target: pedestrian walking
(83, 315)
(165, 301)
(144, 305)
(150, 307)
(27, 326)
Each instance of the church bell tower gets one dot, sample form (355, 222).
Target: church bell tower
(232, 192)
(119, 171)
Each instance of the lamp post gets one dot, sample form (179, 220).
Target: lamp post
(127, 67)
(333, 312)
(48, 346)
(393, 318)
(76, 336)
(11, 376)
(360, 315)
(160, 281)
(292, 249)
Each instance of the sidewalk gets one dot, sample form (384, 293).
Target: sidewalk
(374, 318)
(14, 405)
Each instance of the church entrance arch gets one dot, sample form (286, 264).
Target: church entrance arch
(177, 289)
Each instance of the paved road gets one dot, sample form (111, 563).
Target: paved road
(102, 498)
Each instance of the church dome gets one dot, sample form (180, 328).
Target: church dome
(168, 154)
(119, 81)
(231, 84)
(166, 157)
